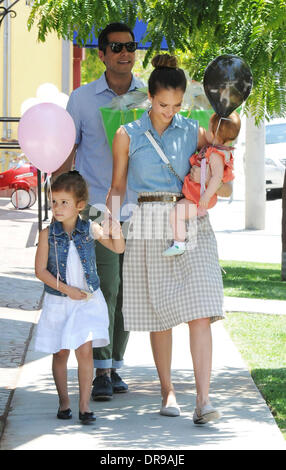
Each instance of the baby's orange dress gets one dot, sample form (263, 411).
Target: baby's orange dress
(192, 190)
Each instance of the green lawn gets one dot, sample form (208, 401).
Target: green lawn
(256, 280)
(261, 340)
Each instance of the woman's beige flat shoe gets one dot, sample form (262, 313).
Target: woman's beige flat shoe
(173, 410)
(205, 414)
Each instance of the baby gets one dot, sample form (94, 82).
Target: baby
(221, 132)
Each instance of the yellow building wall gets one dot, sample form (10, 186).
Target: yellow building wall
(32, 63)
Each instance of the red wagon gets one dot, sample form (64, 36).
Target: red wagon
(22, 179)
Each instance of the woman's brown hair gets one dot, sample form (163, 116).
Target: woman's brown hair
(166, 74)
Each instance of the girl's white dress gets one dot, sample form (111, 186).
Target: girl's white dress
(67, 324)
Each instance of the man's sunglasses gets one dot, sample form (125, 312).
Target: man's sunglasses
(117, 47)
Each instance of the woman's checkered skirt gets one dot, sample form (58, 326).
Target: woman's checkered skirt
(161, 292)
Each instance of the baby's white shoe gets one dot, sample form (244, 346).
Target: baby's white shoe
(175, 249)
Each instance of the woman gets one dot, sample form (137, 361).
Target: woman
(159, 292)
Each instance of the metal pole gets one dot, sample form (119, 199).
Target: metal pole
(4, 11)
(39, 178)
(46, 198)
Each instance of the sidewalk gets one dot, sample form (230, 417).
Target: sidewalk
(239, 304)
(129, 421)
(19, 294)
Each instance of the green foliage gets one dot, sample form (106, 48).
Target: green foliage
(198, 30)
(92, 67)
(255, 31)
(176, 20)
(66, 16)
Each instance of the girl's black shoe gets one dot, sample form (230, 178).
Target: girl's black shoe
(64, 414)
(87, 418)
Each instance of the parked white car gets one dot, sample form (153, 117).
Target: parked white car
(275, 153)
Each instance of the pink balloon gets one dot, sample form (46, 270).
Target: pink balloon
(46, 134)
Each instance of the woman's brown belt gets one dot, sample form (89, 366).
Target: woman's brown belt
(164, 198)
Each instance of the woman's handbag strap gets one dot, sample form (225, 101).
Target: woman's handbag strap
(162, 154)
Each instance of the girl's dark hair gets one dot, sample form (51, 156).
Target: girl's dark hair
(166, 74)
(112, 28)
(71, 182)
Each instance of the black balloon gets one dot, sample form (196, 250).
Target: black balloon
(227, 83)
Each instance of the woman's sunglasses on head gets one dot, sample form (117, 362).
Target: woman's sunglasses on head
(117, 47)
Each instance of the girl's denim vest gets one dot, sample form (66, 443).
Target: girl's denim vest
(85, 247)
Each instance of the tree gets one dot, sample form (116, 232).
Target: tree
(283, 267)
(252, 29)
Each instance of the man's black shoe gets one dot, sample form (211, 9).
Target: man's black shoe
(117, 383)
(102, 388)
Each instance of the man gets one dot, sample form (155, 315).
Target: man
(94, 162)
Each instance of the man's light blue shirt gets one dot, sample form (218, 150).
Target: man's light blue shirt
(146, 171)
(93, 156)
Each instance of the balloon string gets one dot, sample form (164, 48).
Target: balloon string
(216, 132)
(217, 129)
(48, 181)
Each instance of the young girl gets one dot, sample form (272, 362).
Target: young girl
(218, 155)
(74, 314)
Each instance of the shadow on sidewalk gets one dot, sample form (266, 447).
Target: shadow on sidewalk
(17, 215)
(21, 293)
(132, 420)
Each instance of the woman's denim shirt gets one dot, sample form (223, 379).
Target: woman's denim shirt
(146, 170)
(85, 247)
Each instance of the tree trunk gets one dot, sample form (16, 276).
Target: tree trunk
(283, 263)
(255, 192)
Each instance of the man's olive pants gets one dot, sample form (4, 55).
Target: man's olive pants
(109, 269)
